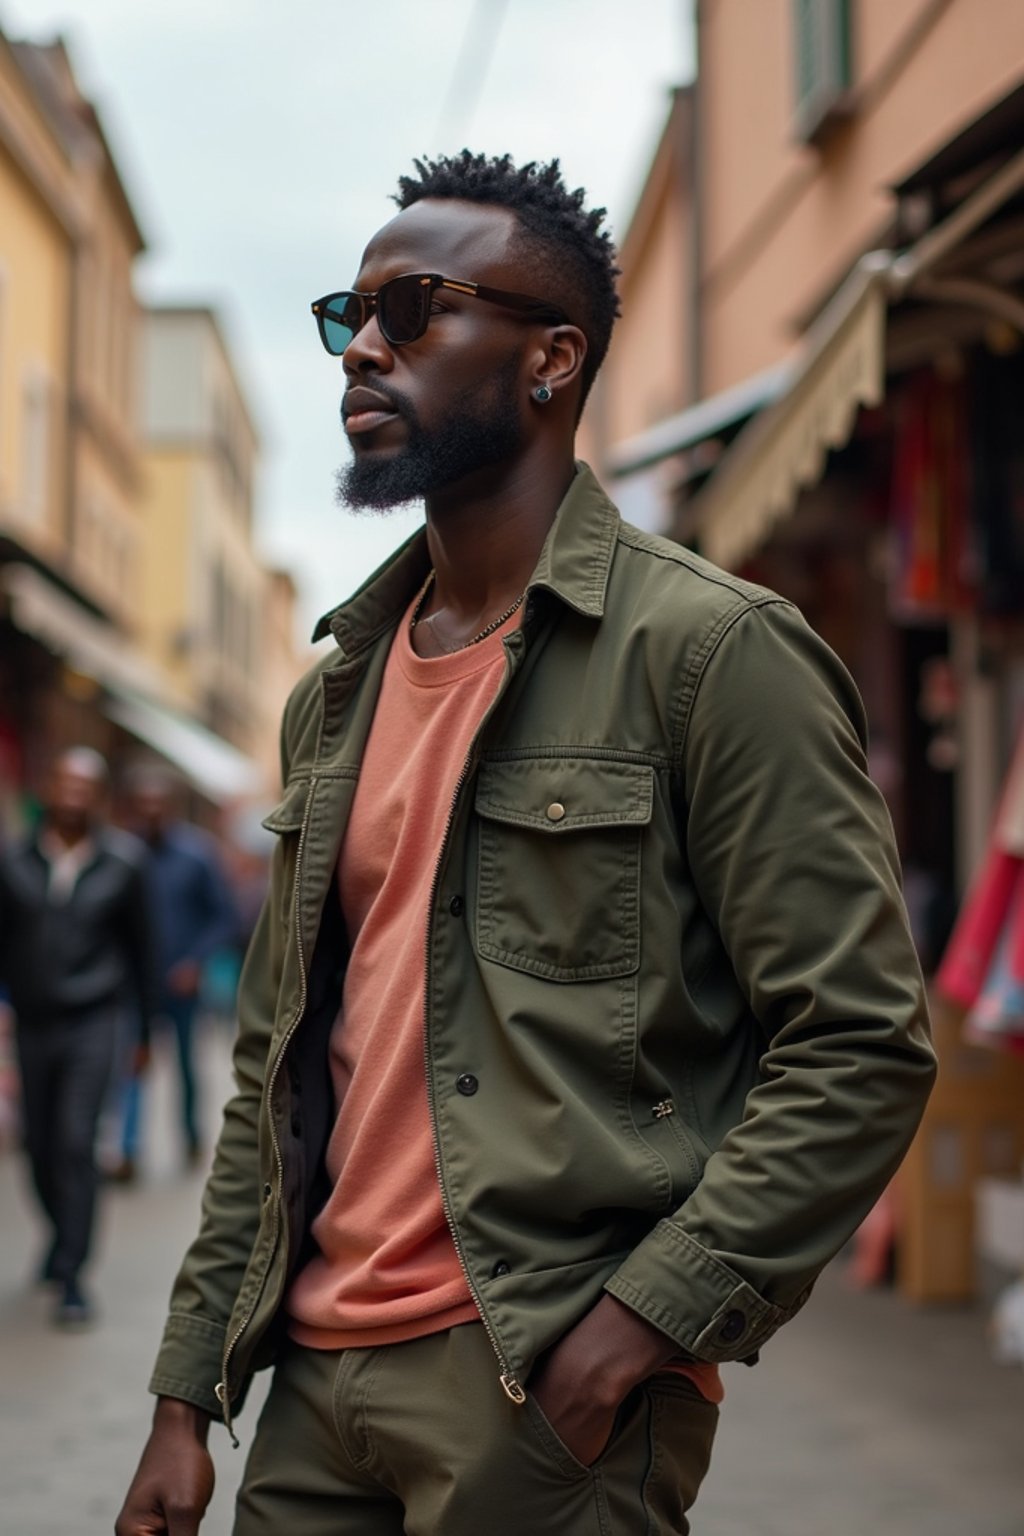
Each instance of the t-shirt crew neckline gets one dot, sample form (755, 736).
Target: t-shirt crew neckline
(439, 671)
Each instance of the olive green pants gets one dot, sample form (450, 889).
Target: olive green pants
(418, 1439)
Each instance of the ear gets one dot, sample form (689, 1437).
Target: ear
(559, 360)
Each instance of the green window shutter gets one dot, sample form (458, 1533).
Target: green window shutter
(823, 68)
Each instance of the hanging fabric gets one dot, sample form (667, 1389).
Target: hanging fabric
(930, 499)
(982, 969)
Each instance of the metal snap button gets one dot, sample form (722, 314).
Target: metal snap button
(456, 906)
(467, 1084)
(501, 1268)
(556, 810)
(732, 1328)
(267, 1191)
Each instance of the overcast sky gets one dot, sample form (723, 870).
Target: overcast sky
(260, 143)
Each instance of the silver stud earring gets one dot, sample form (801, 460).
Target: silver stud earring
(542, 394)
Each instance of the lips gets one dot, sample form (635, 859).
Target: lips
(364, 409)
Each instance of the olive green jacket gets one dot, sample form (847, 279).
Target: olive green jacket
(675, 1032)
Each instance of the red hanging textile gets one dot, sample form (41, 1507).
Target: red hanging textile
(983, 967)
(930, 498)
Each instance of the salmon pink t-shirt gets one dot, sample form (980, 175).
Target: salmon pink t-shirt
(386, 1269)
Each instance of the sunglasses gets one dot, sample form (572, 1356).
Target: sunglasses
(402, 307)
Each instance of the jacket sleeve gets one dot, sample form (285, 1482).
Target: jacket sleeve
(792, 852)
(140, 947)
(5, 923)
(220, 916)
(189, 1361)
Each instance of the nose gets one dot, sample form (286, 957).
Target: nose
(367, 352)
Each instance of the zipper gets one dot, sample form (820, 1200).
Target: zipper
(512, 1388)
(221, 1389)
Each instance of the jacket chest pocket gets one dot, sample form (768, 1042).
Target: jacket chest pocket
(558, 876)
(286, 822)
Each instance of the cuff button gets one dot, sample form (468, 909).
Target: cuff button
(733, 1327)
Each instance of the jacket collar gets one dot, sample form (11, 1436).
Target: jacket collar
(574, 565)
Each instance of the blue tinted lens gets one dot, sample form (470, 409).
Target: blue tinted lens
(342, 318)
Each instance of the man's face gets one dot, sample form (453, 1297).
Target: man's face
(151, 810)
(74, 800)
(450, 405)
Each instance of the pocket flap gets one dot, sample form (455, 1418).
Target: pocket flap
(565, 794)
(288, 816)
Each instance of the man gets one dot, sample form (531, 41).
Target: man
(74, 953)
(576, 831)
(195, 917)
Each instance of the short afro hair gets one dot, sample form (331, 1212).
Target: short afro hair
(558, 232)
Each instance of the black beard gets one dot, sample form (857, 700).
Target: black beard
(477, 434)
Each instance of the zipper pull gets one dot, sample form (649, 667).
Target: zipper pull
(220, 1392)
(512, 1389)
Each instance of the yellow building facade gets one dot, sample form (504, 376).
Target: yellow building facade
(203, 583)
(104, 639)
(39, 218)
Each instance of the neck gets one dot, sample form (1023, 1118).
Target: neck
(70, 837)
(485, 535)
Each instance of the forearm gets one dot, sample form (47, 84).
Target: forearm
(172, 1415)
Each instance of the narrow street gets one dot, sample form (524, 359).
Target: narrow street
(866, 1416)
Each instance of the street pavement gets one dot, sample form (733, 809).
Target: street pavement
(865, 1415)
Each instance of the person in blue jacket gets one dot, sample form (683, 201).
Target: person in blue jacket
(195, 917)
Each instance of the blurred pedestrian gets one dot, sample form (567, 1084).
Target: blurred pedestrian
(194, 918)
(75, 951)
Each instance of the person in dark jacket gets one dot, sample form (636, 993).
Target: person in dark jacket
(194, 917)
(75, 952)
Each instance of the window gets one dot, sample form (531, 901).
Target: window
(823, 66)
(3, 338)
(35, 443)
(219, 605)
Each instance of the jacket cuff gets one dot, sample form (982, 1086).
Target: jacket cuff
(188, 1364)
(706, 1307)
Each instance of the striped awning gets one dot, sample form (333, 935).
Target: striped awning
(783, 450)
(840, 367)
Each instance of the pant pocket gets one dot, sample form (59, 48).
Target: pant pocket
(682, 1431)
(552, 1442)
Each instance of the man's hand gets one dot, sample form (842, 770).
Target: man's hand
(580, 1382)
(174, 1482)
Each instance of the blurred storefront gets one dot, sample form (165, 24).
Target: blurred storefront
(855, 444)
(135, 613)
(67, 677)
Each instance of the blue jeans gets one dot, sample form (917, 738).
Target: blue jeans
(180, 1012)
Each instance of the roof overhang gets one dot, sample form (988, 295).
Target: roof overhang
(214, 767)
(841, 367)
(219, 771)
(708, 418)
(784, 448)
(40, 608)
